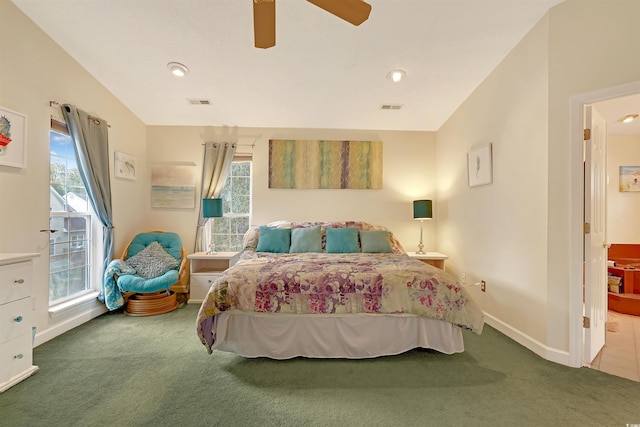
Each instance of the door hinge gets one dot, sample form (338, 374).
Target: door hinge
(587, 228)
(586, 322)
(587, 134)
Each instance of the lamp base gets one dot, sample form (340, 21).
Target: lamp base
(420, 245)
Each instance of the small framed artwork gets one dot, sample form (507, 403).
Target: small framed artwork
(125, 166)
(13, 139)
(480, 165)
(629, 178)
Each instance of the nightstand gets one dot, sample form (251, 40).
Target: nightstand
(205, 269)
(434, 258)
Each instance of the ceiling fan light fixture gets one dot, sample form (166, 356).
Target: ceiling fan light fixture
(628, 118)
(177, 69)
(396, 75)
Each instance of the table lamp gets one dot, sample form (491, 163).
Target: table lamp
(421, 211)
(212, 208)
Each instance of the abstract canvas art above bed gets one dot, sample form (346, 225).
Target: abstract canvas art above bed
(343, 289)
(300, 164)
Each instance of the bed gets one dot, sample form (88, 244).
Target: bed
(332, 290)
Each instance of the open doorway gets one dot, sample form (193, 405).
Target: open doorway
(579, 279)
(620, 356)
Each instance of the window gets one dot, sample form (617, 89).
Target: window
(71, 216)
(229, 230)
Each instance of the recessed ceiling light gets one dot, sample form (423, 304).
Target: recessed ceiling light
(177, 69)
(396, 75)
(628, 118)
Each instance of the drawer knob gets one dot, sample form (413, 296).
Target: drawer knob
(18, 356)
(18, 319)
(19, 281)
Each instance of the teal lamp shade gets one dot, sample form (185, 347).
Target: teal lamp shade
(212, 208)
(422, 209)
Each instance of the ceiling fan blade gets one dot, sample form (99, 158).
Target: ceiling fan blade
(264, 23)
(353, 11)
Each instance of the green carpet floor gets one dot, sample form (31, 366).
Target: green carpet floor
(153, 371)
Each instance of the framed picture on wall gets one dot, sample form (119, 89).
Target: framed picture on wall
(173, 186)
(480, 165)
(13, 138)
(125, 166)
(629, 178)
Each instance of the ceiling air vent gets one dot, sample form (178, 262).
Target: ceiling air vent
(390, 106)
(195, 101)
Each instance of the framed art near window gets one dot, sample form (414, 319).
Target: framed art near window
(480, 165)
(124, 166)
(13, 139)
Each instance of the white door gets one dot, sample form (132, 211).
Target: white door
(595, 247)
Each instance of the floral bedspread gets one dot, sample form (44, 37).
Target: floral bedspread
(322, 283)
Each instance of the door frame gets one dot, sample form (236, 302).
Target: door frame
(576, 306)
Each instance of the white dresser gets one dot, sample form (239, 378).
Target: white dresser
(16, 340)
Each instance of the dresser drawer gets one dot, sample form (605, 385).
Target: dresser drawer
(15, 357)
(15, 319)
(15, 281)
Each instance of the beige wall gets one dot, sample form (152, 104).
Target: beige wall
(33, 71)
(515, 233)
(622, 207)
(409, 173)
(587, 52)
(497, 232)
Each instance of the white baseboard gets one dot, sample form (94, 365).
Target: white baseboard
(544, 351)
(86, 312)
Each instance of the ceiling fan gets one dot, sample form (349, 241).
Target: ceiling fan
(264, 17)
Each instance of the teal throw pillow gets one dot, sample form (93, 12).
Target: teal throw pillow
(375, 241)
(342, 240)
(308, 239)
(273, 239)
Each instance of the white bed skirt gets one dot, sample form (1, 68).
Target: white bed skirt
(351, 336)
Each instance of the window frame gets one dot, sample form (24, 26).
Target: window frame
(91, 242)
(223, 240)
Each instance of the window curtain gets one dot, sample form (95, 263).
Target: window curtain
(91, 145)
(216, 165)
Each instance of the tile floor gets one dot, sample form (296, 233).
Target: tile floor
(621, 352)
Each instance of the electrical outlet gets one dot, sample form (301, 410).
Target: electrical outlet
(463, 278)
(483, 286)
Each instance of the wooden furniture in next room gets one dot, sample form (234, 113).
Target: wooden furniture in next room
(627, 260)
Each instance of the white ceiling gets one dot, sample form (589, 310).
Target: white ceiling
(322, 73)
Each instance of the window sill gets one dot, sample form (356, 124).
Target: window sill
(58, 309)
